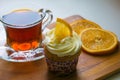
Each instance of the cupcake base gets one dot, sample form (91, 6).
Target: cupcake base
(64, 67)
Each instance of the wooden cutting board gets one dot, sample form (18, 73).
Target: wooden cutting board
(89, 67)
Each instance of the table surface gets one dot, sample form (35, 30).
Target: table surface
(104, 12)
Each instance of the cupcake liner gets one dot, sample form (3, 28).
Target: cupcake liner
(64, 67)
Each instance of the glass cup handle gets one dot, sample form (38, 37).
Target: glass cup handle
(48, 17)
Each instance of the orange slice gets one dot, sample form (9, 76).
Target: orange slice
(24, 46)
(98, 41)
(80, 25)
(35, 44)
(15, 46)
(62, 30)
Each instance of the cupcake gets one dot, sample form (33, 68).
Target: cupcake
(62, 48)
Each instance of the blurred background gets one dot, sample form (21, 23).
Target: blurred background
(104, 12)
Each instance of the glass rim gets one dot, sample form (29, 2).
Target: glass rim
(42, 14)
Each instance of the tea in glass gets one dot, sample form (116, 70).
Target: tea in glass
(24, 32)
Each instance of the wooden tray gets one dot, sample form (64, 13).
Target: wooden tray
(89, 67)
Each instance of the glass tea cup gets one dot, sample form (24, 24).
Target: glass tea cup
(23, 30)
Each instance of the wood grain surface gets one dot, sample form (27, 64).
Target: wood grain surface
(89, 67)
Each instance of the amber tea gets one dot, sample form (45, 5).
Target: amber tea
(23, 29)
(21, 36)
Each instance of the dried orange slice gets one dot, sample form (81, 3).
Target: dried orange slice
(35, 44)
(98, 41)
(80, 25)
(62, 29)
(15, 46)
(24, 46)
